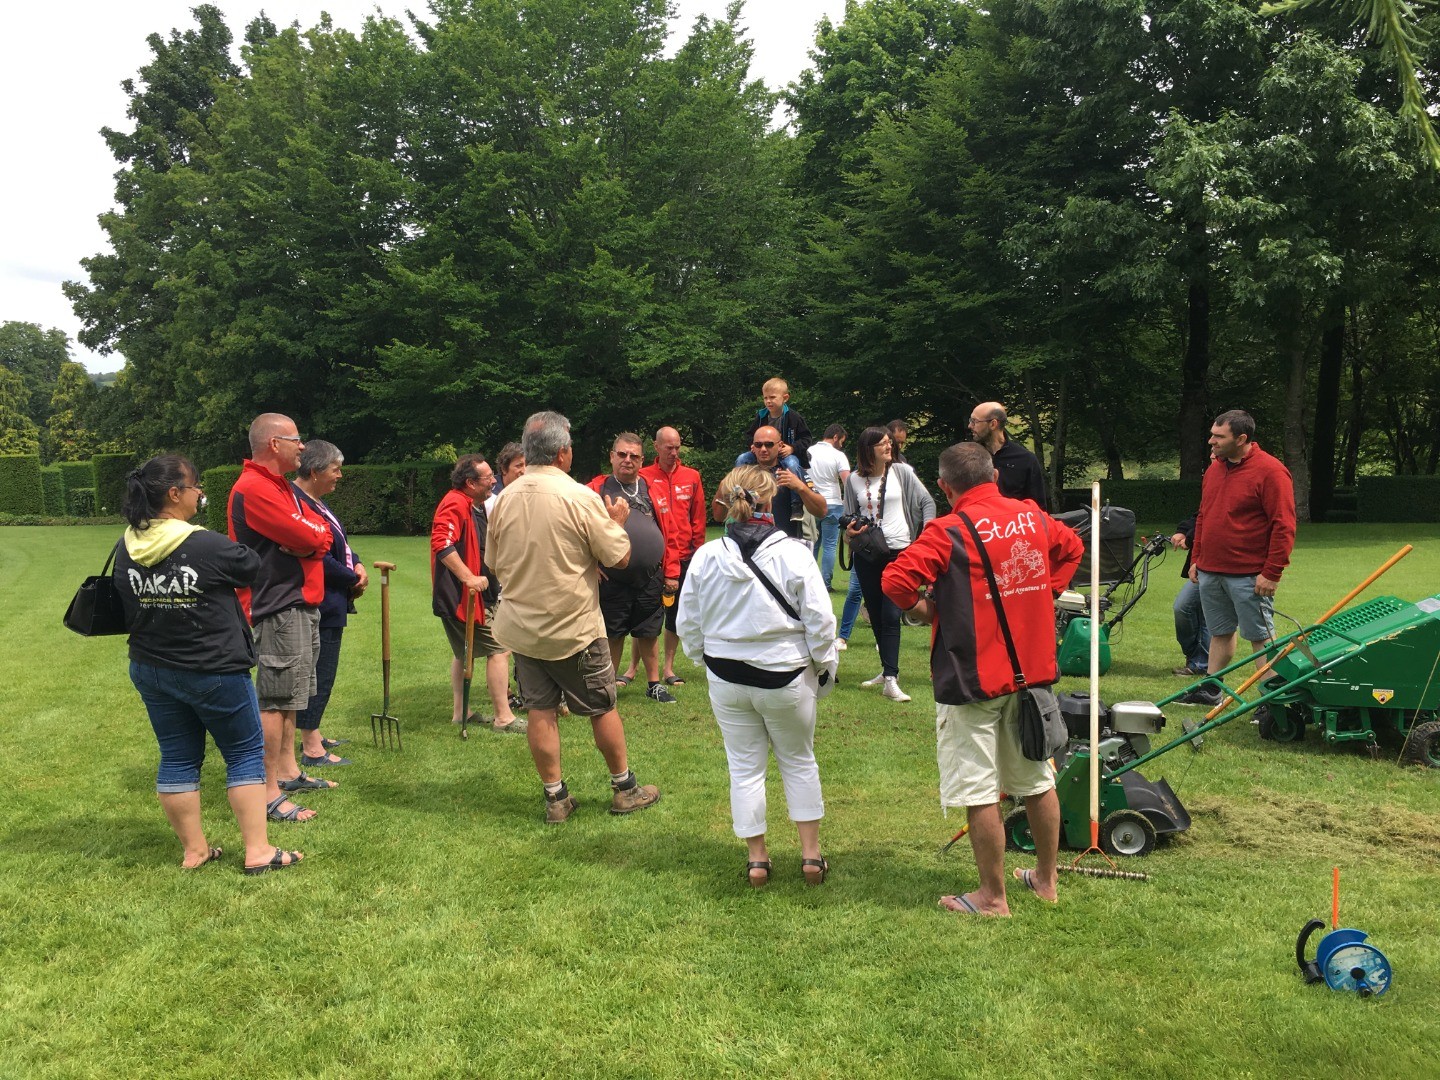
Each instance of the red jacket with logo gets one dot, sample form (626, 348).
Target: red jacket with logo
(266, 515)
(452, 528)
(1033, 556)
(679, 499)
(1246, 523)
(670, 561)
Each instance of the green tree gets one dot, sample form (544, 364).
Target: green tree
(36, 356)
(18, 433)
(66, 438)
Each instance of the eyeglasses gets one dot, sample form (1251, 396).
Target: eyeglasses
(627, 454)
(976, 421)
(288, 438)
(762, 445)
(191, 487)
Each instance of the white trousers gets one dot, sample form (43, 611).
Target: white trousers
(753, 722)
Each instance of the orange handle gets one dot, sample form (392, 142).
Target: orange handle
(1264, 670)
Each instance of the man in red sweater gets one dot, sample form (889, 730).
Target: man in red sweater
(977, 709)
(679, 498)
(1243, 537)
(283, 604)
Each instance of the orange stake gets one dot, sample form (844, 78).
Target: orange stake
(1335, 899)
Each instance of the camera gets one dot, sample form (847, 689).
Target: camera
(860, 521)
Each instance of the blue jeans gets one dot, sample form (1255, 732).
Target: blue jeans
(183, 706)
(829, 540)
(327, 663)
(851, 609)
(789, 461)
(1190, 629)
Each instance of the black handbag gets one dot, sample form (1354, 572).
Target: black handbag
(95, 610)
(1042, 728)
(871, 544)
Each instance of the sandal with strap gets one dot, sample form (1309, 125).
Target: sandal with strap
(281, 860)
(820, 868)
(274, 813)
(751, 867)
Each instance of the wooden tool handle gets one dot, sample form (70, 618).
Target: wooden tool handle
(470, 634)
(383, 565)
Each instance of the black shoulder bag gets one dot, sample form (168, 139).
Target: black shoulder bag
(823, 676)
(871, 544)
(95, 610)
(1042, 729)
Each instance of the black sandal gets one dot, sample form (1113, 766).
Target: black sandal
(750, 867)
(817, 878)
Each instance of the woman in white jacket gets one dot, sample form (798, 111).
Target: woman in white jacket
(755, 611)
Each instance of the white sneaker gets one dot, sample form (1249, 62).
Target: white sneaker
(892, 690)
(878, 680)
(841, 644)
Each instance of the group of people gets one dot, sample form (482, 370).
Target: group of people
(556, 574)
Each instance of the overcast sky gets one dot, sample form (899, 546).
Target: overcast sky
(61, 65)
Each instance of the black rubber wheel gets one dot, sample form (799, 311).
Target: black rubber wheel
(1422, 745)
(1017, 831)
(1283, 723)
(1127, 832)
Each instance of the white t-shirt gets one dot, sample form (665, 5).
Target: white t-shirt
(892, 516)
(826, 465)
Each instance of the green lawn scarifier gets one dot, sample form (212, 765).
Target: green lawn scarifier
(1352, 674)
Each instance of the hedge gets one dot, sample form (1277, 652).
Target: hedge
(79, 474)
(110, 470)
(80, 502)
(369, 499)
(1398, 498)
(22, 489)
(1154, 502)
(54, 485)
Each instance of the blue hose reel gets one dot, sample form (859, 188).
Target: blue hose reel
(1344, 960)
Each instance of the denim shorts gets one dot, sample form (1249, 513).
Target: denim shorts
(183, 706)
(1229, 601)
(287, 647)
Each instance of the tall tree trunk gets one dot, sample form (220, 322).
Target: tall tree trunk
(1292, 346)
(1194, 417)
(1327, 412)
(1060, 431)
(1356, 417)
(1037, 441)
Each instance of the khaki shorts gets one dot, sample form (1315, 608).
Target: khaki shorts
(978, 749)
(287, 645)
(485, 643)
(587, 681)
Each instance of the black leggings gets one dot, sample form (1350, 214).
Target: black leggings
(884, 615)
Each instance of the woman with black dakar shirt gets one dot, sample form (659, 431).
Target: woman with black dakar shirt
(191, 655)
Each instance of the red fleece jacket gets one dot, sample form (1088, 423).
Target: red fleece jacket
(266, 515)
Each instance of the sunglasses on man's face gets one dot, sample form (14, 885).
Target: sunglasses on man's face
(626, 454)
(761, 445)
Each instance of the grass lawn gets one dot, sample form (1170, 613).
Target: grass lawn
(437, 926)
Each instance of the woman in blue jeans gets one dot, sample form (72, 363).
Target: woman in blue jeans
(191, 655)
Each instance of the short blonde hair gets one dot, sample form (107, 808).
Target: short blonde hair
(745, 489)
(776, 383)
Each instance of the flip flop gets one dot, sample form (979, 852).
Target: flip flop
(962, 905)
(281, 860)
(1027, 878)
(673, 680)
(215, 853)
(307, 783)
(274, 813)
(624, 680)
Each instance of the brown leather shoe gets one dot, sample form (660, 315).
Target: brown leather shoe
(634, 798)
(557, 810)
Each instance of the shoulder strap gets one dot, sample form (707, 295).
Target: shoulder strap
(995, 593)
(769, 585)
(111, 560)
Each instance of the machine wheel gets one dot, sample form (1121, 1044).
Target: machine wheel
(1422, 746)
(1017, 831)
(1283, 723)
(1127, 832)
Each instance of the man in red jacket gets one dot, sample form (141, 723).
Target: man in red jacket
(1243, 537)
(283, 604)
(977, 709)
(679, 498)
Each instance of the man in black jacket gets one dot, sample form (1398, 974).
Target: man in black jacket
(1017, 470)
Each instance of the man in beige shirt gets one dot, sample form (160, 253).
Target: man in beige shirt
(548, 537)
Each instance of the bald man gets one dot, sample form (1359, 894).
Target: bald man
(1018, 470)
